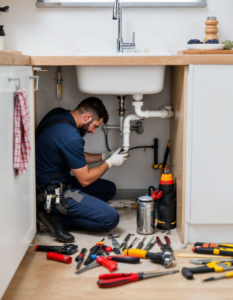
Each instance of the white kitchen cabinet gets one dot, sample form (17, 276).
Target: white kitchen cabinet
(17, 201)
(209, 148)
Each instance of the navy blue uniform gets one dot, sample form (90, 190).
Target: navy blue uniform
(61, 148)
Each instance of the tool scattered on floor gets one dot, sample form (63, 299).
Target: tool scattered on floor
(206, 261)
(140, 244)
(164, 259)
(67, 249)
(210, 267)
(193, 255)
(165, 247)
(59, 257)
(150, 244)
(214, 251)
(209, 245)
(80, 258)
(115, 243)
(122, 258)
(123, 245)
(133, 242)
(226, 275)
(111, 265)
(111, 280)
(104, 247)
(94, 250)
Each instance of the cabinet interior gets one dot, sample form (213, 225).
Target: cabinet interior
(178, 97)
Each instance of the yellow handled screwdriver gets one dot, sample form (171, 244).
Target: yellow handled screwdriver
(226, 275)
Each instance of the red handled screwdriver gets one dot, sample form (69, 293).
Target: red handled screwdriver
(111, 265)
(111, 280)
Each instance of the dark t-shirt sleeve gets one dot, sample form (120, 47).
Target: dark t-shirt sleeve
(74, 154)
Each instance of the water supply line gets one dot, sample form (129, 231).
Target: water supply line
(121, 115)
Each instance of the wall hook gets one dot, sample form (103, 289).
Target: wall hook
(15, 79)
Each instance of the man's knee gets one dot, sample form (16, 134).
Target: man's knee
(111, 221)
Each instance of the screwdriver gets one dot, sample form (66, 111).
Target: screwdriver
(214, 251)
(100, 260)
(111, 280)
(226, 275)
(122, 258)
(80, 258)
(140, 245)
(93, 250)
(208, 245)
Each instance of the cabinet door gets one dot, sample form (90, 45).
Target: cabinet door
(17, 201)
(209, 188)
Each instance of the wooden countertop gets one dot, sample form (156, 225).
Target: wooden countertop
(7, 58)
(173, 60)
(15, 59)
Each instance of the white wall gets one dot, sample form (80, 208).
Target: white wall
(53, 31)
(65, 31)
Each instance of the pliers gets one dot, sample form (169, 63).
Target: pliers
(165, 247)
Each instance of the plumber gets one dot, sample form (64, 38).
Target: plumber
(77, 201)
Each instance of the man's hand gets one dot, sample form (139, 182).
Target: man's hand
(107, 155)
(116, 160)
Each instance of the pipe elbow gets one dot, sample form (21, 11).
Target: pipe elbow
(142, 114)
(128, 119)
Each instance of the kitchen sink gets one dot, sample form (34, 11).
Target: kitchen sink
(121, 79)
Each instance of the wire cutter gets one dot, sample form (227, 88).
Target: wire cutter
(111, 280)
(80, 258)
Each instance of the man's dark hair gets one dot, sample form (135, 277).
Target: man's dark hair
(94, 106)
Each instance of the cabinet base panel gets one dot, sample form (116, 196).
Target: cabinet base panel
(209, 233)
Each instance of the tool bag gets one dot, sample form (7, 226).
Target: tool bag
(167, 203)
(41, 196)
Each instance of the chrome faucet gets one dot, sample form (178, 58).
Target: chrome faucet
(117, 14)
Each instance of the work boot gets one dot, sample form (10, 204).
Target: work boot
(55, 227)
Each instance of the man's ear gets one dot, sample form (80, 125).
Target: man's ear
(87, 118)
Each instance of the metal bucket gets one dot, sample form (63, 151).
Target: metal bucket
(145, 215)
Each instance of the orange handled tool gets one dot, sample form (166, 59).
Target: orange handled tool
(210, 245)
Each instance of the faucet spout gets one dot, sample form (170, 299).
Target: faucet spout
(117, 15)
(115, 10)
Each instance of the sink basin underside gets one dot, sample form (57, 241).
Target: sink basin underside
(120, 80)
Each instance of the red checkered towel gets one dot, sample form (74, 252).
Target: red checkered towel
(22, 146)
